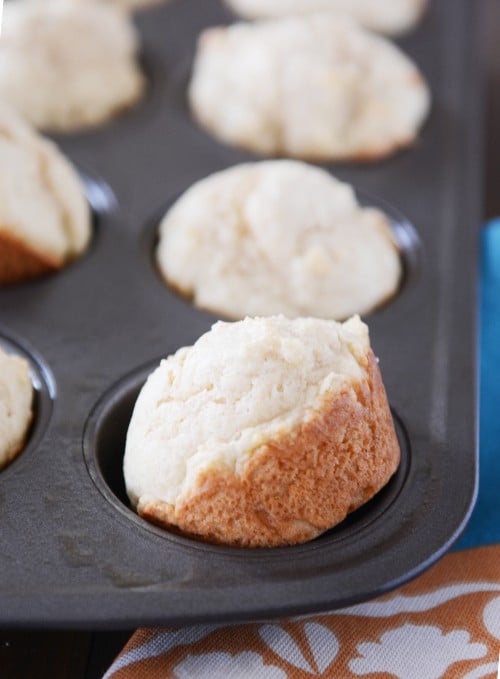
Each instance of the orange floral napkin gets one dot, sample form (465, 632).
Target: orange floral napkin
(445, 624)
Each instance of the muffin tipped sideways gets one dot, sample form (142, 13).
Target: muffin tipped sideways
(265, 432)
(16, 397)
(316, 86)
(45, 219)
(278, 237)
(385, 16)
(68, 65)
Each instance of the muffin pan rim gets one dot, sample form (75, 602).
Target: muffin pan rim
(93, 593)
(134, 381)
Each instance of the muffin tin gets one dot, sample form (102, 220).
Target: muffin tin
(73, 553)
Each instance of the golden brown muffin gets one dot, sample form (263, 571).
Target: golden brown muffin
(266, 432)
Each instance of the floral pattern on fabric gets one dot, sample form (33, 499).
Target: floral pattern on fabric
(443, 625)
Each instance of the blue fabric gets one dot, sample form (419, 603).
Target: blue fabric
(484, 526)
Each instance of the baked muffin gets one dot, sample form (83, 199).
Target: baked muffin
(265, 432)
(384, 16)
(278, 236)
(123, 4)
(315, 86)
(66, 66)
(16, 397)
(45, 219)
(136, 4)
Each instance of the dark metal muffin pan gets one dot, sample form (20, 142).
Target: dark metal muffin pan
(72, 552)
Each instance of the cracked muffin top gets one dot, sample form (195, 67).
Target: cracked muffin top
(265, 432)
(278, 237)
(45, 219)
(392, 17)
(314, 86)
(65, 66)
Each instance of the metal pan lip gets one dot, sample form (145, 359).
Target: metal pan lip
(99, 194)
